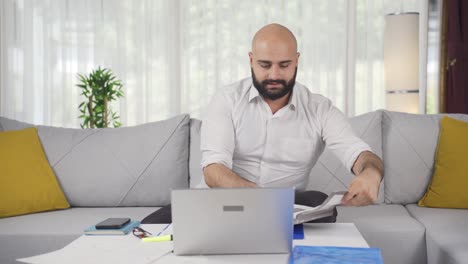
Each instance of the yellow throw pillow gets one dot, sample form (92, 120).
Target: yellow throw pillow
(27, 183)
(448, 185)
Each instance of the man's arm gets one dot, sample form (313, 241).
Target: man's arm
(217, 143)
(364, 188)
(218, 175)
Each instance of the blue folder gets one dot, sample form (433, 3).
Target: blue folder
(332, 255)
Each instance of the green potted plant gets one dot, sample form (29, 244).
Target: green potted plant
(100, 88)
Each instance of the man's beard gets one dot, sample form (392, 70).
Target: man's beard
(273, 94)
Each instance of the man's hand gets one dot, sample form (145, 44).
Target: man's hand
(364, 188)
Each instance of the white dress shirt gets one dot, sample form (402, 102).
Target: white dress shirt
(273, 150)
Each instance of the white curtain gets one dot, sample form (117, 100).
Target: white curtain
(173, 54)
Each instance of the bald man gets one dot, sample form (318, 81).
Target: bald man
(268, 130)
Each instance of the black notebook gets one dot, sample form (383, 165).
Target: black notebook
(161, 216)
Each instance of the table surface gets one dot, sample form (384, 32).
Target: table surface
(129, 249)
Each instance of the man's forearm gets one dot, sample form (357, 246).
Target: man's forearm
(368, 160)
(364, 189)
(218, 175)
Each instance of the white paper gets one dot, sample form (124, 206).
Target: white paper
(304, 213)
(333, 201)
(129, 249)
(108, 249)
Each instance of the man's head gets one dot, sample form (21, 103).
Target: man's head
(273, 60)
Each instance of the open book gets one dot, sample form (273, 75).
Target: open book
(304, 213)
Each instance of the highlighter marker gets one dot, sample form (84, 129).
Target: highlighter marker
(157, 238)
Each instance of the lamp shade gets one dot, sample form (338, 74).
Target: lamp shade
(401, 62)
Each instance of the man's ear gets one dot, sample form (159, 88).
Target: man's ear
(251, 58)
(297, 58)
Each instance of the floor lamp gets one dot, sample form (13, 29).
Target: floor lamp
(401, 62)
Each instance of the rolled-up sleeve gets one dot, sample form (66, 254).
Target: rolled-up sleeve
(339, 136)
(217, 132)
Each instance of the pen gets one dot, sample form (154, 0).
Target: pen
(157, 238)
(163, 230)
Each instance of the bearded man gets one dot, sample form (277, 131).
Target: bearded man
(268, 130)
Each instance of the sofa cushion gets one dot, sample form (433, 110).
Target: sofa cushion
(390, 228)
(29, 235)
(409, 144)
(448, 184)
(127, 166)
(330, 175)
(27, 183)
(446, 233)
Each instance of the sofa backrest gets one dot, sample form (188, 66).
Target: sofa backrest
(138, 166)
(128, 166)
(328, 175)
(409, 145)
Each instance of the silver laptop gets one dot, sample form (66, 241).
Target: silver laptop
(232, 221)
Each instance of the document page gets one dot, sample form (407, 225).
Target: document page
(304, 213)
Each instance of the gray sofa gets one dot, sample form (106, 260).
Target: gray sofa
(129, 172)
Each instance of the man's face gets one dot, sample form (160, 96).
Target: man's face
(274, 68)
(273, 89)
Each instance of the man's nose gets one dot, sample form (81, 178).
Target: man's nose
(275, 72)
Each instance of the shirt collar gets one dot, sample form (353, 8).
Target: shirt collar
(253, 93)
(292, 100)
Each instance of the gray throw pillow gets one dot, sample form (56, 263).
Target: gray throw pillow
(195, 170)
(128, 166)
(409, 145)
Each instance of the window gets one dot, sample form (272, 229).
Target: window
(173, 55)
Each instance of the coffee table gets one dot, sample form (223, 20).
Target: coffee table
(129, 249)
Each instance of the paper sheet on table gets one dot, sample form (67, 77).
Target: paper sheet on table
(226, 259)
(108, 249)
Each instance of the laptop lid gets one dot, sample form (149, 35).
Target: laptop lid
(232, 221)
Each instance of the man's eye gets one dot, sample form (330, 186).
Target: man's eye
(265, 66)
(284, 65)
